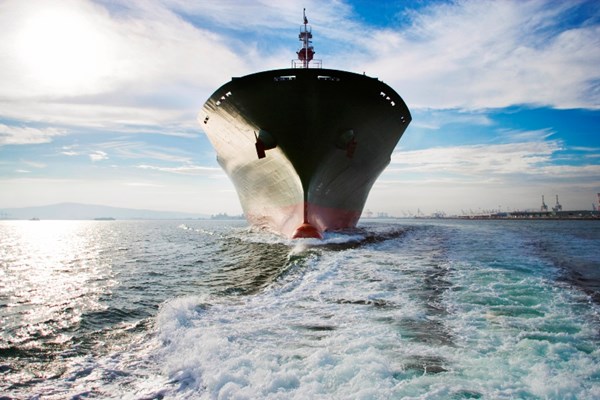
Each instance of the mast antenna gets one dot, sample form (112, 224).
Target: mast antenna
(307, 52)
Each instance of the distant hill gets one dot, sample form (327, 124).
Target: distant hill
(89, 211)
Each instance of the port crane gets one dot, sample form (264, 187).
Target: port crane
(544, 207)
(558, 206)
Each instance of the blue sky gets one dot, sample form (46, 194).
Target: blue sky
(99, 99)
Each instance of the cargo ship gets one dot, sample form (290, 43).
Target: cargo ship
(304, 145)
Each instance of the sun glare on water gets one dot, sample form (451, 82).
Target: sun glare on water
(63, 50)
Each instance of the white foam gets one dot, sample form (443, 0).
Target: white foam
(355, 323)
(515, 329)
(254, 235)
(423, 316)
(314, 337)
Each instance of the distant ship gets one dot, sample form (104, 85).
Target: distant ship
(303, 146)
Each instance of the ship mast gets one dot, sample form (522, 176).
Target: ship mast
(307, 52)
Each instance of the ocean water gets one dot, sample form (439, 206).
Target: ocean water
(405, 309)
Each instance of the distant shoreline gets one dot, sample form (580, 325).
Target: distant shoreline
(540, 215)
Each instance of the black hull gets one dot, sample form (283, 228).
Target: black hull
(333, 131)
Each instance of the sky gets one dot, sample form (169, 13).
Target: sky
(99, 100)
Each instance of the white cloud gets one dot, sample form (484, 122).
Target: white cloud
(433, 119)
(53, 49)
(143, 184)
(153, 68)
(27, 135)
(477, 160)
(145, 67)
(125, 149)
(92, 113)
(98, 155)
(573, 171)
(484, 54)
(185, 169)
(505, 165)
(526, 136)
(262, 15)
(147, 49)
(34, 164)
(489, 177)
(140, 150)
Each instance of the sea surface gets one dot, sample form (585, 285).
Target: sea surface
(398, 309)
